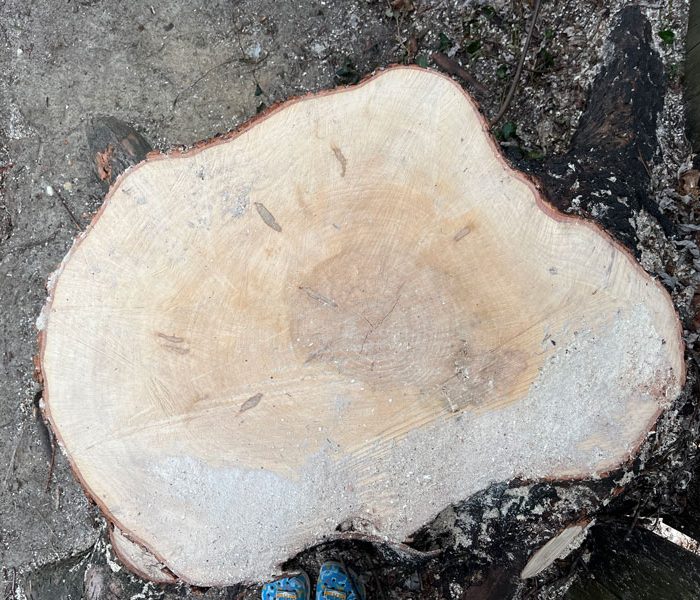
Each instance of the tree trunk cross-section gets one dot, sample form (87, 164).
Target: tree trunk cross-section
(350, 313)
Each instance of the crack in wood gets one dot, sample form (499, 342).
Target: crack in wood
(374, 326)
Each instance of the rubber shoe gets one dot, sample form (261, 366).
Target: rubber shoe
(289, 588)
(335, 583)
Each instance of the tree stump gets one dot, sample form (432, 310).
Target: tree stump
(346, 316)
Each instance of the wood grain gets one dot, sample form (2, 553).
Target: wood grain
(351, 310)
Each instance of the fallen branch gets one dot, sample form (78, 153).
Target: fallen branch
(519, 70)
(71, 215)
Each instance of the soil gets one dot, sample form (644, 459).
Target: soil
(181, 71)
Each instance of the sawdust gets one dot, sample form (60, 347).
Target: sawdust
(546, 434)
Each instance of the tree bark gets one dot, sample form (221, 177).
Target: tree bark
(605, 175)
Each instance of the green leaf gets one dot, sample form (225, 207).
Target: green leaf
(502, 71)
(534, 155)
(347, 74)
(422, 61)
(473, 47)
(488, 11)
(674, 70)
(508, 130)
(445, 43)
(545, 60)
(667, 36)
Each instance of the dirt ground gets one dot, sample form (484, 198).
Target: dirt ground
(181, 71)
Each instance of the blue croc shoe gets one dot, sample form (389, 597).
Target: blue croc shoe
(289, 588)
(335, 583)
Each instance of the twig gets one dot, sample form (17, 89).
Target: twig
(71, 214)
(51, 465)
(533, 590)
(644, 163)
(11, 592)
(253, 72)
(53, 535)
(378, 581)
(397, 20)
(11, 466)
(26, 246)
(519, 70)
(454, 68)
(429, 8)
(228, 61)
(352, 577)
(637, 511)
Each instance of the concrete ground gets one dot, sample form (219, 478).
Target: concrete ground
(181, 71)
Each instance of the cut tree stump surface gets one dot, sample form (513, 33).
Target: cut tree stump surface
(350, 313)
